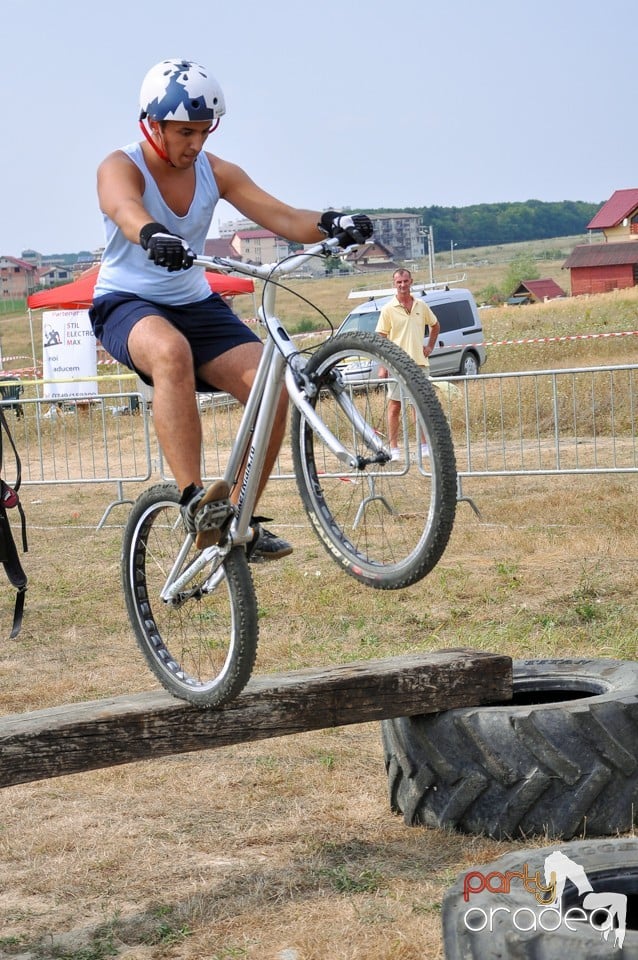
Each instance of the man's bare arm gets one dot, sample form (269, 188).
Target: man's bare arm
(120, 186)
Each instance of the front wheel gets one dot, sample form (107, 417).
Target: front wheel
(202, 644)
(388, 519)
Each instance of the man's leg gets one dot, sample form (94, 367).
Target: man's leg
(161, 352)
(394, 409)
(234, 372)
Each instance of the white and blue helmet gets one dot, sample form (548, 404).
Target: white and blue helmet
(181, 90)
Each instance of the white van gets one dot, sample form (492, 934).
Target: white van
(459, 348)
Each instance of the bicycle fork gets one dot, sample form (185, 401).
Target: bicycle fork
(367, 434)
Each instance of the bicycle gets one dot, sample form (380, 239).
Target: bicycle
(385, 522)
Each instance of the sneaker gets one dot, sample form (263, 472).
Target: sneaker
(266, 546)
(395, 453)
(205, 512)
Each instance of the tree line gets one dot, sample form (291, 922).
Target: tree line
(479, 225)
(487, 224)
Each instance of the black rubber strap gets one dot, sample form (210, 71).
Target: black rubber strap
(18, 611)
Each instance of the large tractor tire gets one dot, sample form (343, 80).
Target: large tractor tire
(560, 760)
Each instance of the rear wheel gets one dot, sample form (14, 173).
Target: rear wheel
(201, 645)
(385, 521)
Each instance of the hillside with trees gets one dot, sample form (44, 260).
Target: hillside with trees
(486, 224)
(479, 225)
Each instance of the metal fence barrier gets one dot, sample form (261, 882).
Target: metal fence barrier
(578, 420)
(569, 421)
(104, 439)
(563, 421)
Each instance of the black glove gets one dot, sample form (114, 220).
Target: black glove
(353, 229)
(166, 249)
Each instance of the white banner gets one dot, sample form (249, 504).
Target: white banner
(69, 352)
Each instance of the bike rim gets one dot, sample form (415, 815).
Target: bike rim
(382, 516)
(192, 642)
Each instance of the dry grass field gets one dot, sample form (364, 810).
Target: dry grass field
(475, 269)
(286, 849)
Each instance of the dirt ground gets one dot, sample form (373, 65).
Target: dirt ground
(284, 849)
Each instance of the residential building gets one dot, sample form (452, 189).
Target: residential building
(259, 246)
(536, 291)
(372, 255)
(32, 256)
(219, 247)
(228, 228)
(55, 275)
(612, 265)
(18, 278)
(402, 233)
(618, 217)
(600, 267)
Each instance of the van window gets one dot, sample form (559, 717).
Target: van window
(367, 322)
(453, 316)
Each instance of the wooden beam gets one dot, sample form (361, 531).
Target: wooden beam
(101, 733)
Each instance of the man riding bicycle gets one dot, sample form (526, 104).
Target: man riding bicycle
(158, 317)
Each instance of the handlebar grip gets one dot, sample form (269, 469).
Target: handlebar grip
(349, 237)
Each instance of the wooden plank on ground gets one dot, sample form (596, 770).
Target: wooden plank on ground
(102, 733)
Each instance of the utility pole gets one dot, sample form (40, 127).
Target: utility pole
(428, 233)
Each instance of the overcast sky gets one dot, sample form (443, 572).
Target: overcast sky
(333, 103)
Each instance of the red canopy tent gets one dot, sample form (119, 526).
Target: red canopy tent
(78, 295)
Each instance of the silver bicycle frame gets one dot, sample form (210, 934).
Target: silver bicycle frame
(280, 364)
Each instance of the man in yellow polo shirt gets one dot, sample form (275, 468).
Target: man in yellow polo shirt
(404, 321)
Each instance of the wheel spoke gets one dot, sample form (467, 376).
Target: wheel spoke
(202, 644)
(387, 520)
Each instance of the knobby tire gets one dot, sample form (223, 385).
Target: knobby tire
(386, 524)
(560, 759)
(203, 648)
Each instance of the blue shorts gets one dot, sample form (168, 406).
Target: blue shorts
(209, 325)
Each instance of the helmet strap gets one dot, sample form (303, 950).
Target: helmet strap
(158, 150)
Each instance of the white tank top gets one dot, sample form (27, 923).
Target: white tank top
(125, 266)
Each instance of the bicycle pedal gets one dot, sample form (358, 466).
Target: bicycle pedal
(211, 536)
(213, 506)
(212, 515)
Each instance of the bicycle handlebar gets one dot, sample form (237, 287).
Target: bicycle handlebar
(267, 271)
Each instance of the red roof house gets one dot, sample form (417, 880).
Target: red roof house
(537, 291)
(17, 277)
(600, 267)
(372, 255)
(219, 247)
(612, 265)
(618, 217)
